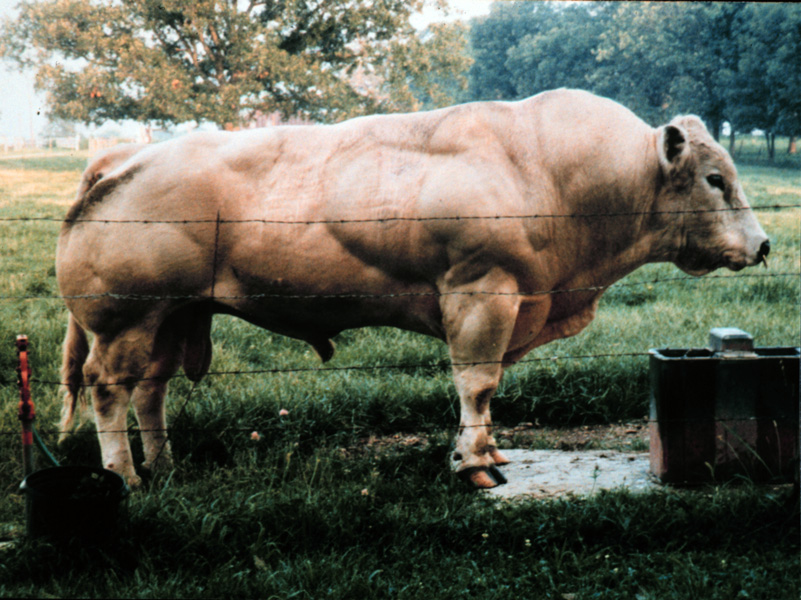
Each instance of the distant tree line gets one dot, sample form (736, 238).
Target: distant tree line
(170, 61)
(727, 62)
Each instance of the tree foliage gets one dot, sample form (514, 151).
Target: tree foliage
(767, 94)
(171, 61)
(491, 39)
(671, 58)
(547, 58)
(725, 61)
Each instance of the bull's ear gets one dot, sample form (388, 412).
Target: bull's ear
(675, 154)
(674, 142)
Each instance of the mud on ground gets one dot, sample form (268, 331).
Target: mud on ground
(630, 436)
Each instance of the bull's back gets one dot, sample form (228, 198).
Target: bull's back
(374, 203)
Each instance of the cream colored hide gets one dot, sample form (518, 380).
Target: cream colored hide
(271, 225)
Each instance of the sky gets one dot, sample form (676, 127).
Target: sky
(18, 102)
(22, 110)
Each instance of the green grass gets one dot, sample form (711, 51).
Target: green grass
(48, 161)
(280, 526)
(287, 516)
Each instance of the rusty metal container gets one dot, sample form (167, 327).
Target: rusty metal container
(726, 411)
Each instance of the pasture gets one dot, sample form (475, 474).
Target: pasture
(323, 505)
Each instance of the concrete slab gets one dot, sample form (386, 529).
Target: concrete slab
(554, 473)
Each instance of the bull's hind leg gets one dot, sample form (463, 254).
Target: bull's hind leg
(150, 392)
(479, 328)
(148, 401)
(113, 367)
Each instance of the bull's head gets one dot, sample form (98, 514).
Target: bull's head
(705, 199)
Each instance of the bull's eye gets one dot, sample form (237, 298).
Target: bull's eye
(716, 180)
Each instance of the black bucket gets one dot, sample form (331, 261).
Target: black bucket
(73, 502)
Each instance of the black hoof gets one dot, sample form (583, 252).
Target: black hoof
(496, 474)
(469, 475)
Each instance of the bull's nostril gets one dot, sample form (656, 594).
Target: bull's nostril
(764, 249)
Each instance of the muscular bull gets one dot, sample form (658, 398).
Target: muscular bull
(450, 223)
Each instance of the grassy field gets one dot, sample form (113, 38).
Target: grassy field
(314, 511)
(752, 150)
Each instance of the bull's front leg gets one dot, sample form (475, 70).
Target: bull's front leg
(479, 321)
(477, 455)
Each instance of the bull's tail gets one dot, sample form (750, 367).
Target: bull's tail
(75, 351)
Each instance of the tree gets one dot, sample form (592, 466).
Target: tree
(662, 59)
(60, 128)
(171, 61)
(725, 61)
(429, 70)
(491, 38)
(767, 94)
(709, 62)
(561, 52)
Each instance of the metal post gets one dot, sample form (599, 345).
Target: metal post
(26, 408)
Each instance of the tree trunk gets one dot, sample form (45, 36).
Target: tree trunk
(770, 139)
(791, 147)
(732, 140)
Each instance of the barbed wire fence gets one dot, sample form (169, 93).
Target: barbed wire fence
(218, 222)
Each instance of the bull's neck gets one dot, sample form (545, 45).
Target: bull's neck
(603, 195)
(612, 234)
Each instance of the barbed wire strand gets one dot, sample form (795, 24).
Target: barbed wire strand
(348, 295)
(657, 281)
(289, 424)
(393, 219)
(441, 366)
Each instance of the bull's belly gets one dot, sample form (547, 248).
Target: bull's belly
(309, 314)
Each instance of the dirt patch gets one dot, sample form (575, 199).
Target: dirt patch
(381, 444)
(625, 437)
(549, 462)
